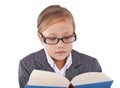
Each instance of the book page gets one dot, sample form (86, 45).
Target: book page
(90, 77)
(45, 78)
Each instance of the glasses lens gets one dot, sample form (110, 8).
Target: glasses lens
(51, 40)
(69, 39)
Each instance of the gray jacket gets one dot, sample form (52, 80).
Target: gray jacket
(81, 63)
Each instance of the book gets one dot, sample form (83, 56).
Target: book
(45, 79)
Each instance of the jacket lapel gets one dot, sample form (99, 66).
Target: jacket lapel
(76, 62)
(41, 61)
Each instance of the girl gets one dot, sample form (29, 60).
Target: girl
(56, 31)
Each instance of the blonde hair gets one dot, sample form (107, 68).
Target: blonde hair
(51, 15)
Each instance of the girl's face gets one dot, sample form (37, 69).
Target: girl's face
(61, 50)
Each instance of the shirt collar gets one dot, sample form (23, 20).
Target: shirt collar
(49, 59)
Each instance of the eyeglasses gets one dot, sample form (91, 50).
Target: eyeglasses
(54, 40)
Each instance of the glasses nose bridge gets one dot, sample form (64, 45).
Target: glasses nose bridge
(60, 39)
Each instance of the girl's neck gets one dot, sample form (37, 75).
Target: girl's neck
(60, 64)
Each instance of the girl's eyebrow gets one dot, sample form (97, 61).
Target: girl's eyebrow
(52, 34)
(67, 33)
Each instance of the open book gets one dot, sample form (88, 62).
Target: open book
(45, 79)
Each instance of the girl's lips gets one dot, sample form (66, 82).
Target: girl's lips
(61, 52)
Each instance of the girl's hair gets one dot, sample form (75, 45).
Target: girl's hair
(51, 15)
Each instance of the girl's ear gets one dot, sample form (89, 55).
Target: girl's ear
(40, 38)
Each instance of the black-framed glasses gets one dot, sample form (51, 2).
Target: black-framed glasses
(54, 40)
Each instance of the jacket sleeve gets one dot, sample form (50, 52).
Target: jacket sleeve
(23, 74)
(26, 66)
(96, 66)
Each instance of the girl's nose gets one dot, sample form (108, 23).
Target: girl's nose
(60, 44)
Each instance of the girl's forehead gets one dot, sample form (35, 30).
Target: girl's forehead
(58, 32)
(65, 25)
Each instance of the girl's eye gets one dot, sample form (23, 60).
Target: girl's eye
(52, 38)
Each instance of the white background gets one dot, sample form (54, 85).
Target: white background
(97, 28)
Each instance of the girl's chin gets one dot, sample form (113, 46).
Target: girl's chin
(59, 58)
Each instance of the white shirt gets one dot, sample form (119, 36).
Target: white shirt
(53, 65)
